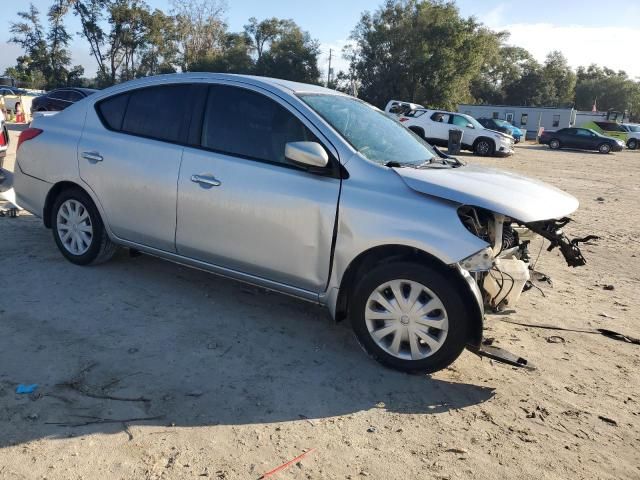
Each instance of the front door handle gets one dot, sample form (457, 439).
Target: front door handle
(210, 181)
(93, 157)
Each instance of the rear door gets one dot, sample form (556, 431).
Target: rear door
(439, 127)
(130, 154)
(242, 206)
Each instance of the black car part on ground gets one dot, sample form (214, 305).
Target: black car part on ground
(552, 231)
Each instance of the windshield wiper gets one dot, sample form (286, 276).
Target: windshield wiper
(393, 164)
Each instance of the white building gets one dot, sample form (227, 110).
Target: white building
(532, 118)
(525, 118)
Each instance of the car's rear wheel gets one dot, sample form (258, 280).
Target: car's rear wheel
(78, 229)
(604, 148)
(484, 147)
(632, 144)
(409, 317)
(554, 144)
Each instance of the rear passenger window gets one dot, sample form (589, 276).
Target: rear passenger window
(161, 113)
(111, 111)
(247, 124)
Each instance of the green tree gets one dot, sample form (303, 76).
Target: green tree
(502, 67)
(421, 51)
(559, 75)
(235, 57)
(200, 30)
(609, 89)
(283, 50)
(46, 61)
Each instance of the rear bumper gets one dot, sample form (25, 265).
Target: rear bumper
(31, 192)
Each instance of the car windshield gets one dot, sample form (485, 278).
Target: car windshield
(502, 123)
(473, 121)
(634, 128)
(372, 133)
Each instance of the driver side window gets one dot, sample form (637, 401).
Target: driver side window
(247, 124)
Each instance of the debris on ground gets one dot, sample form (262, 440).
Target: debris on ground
(286, 465)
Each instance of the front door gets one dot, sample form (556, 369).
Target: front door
(130, 154)
(242, 206)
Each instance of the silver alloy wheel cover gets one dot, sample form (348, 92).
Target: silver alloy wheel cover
(554, 144)
(605, 148)
(73, 224)
(483, 147)
(406, 319)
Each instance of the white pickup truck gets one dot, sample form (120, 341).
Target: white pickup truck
(434, 127)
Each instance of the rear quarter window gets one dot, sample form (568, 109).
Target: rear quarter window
(111, 111)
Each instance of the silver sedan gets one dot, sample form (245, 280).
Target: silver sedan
(298, 189)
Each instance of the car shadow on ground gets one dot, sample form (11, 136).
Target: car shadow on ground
(141, 338)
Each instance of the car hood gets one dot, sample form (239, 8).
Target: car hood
(510, 194)
(501, 134)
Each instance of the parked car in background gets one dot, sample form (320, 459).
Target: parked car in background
(398, 107)
(502, 126)
(616, 130)
(298, 189)
(11, 91)
(434, 127)
(633, 132)
(582, 139)
(59, 99)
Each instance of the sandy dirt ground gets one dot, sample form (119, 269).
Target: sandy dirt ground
(180, 374)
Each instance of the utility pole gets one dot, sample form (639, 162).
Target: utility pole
(329, 72)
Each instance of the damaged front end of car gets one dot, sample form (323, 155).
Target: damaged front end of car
(502, 270)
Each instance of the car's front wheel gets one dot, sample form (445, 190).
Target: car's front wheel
(632, 144)
(78, 229)
(604, 148)
(484, 147)
(410, 317)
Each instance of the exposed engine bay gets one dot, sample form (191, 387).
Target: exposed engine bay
(503, 270)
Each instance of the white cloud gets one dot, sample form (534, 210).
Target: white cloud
(614, 47)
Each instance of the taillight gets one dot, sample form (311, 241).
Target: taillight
(3, 140)
(404, 119)
(27, 134)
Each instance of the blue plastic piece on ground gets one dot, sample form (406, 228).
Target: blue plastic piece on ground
(26, 388)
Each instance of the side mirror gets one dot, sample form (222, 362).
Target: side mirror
(310, 154)
(470, 125)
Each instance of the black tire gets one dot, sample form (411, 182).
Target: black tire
(101, 248)
(632, 144)
(604, 148)
(484, 147)
(459, 322)
(554, 144)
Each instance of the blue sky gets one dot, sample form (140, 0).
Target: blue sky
(582, 29)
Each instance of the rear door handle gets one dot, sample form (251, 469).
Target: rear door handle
(93, 157)
(206, 180)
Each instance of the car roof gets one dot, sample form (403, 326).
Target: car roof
(88, 91)
(265, 82)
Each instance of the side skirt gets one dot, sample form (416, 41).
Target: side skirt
(224, 272)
